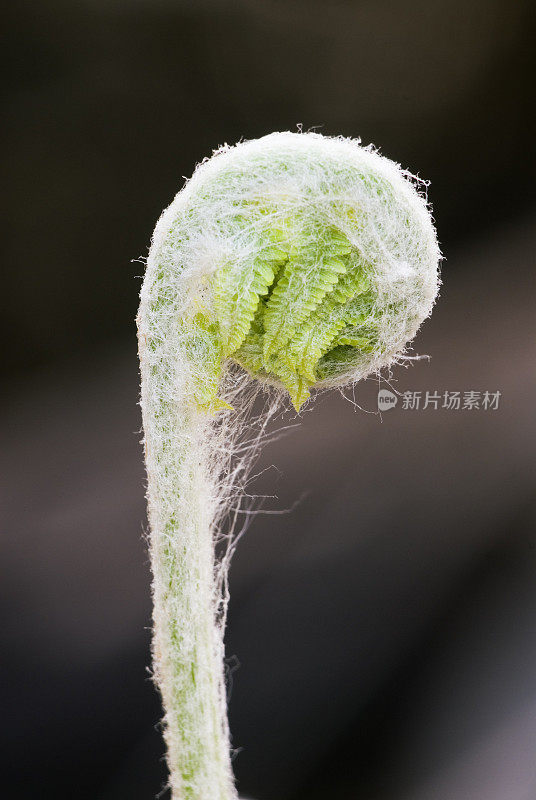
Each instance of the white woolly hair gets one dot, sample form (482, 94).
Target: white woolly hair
(201, 436)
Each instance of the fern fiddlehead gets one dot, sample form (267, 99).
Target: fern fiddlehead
(291, 262)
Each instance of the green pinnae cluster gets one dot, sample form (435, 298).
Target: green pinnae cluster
(301, 310)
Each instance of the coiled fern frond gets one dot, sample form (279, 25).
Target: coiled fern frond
(293, 262)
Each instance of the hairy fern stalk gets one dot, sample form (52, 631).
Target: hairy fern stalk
(290, 263)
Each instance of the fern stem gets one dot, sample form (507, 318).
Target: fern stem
(187, 626)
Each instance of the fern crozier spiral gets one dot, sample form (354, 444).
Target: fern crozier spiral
(294, 261)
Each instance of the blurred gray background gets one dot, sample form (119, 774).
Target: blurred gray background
(381, 641)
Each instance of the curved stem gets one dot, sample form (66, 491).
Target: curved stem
(188, 630)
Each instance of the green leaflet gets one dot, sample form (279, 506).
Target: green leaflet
(306, 295)
(297, 385)
(316, 260)
(250, 354)
(363, 342)
(320, 334)
(340, 359)
(344, 305)
(237, 291)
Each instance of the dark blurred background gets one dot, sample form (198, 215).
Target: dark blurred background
(381, 640)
